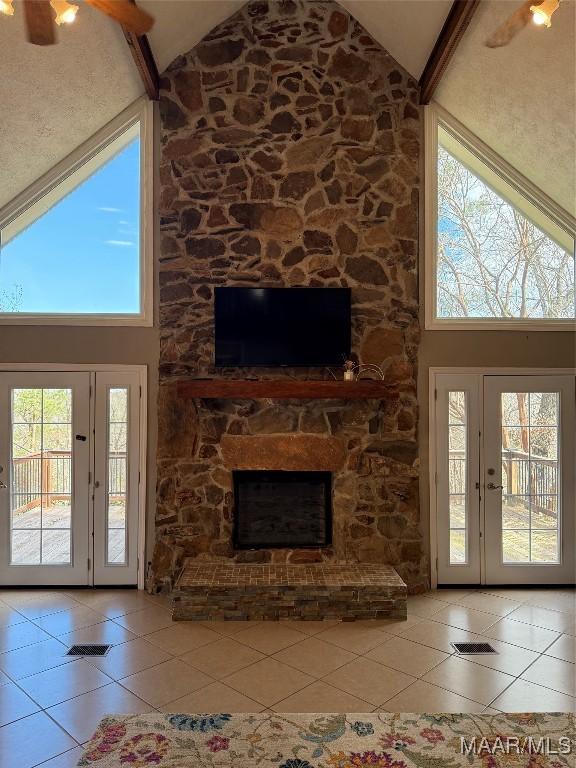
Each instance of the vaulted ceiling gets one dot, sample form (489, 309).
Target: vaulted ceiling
(519, 99)
(56, 97)
(52, 98)
(406, 28)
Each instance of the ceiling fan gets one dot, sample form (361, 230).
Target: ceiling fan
(539, 12)
(41, 15)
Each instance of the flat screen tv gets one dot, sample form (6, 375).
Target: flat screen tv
(281, 326)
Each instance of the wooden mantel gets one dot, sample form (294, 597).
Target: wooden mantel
(286, 389)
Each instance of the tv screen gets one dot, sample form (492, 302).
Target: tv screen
(281, 326)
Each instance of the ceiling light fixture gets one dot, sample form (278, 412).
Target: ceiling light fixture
(6, 7)
(542, 14)
(65, 11)
(39, 23)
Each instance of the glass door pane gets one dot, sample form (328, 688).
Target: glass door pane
(116, 496)
(530, 477)
(529, 428)
(41, 499)
(44, 450)
(456, 428)
(117, 478)
(458, 480)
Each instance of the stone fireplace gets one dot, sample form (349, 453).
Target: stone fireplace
(278, 509)
(290, 145)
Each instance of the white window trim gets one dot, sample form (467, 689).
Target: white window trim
(433, 115)
(141, 111)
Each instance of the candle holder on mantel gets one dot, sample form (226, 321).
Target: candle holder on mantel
(356, 371)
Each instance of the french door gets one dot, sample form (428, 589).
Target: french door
(505, 481)
(69, 478)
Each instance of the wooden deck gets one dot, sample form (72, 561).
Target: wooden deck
(515, 519)
(55, 523)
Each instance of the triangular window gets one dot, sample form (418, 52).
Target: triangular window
(499, 256)
(75, 250)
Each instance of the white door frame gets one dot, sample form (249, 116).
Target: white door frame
(76, 570)
(433, 372)
(142, 371)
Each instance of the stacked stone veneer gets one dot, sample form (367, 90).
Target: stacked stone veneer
(240, 592)
(290, 146)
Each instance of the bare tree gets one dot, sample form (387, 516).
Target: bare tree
(493, 261)
(11, 299)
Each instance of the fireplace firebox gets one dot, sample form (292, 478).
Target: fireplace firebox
(281, 509)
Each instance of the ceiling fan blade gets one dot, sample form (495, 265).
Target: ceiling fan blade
(39, 22)
(126, 13)
(514, 23)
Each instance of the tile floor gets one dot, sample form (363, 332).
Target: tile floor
(50, 705)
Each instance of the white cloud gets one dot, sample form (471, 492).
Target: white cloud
(119, 242)
(109, 209)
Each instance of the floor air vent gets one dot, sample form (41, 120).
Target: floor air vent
(89, 649)
(473, 648)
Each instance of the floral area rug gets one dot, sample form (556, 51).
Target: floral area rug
(380, 740)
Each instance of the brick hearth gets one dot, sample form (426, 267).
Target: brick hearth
(244, 592)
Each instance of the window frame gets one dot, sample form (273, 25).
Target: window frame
(139, 112)
(434, 116)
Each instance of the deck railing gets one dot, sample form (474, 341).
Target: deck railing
(531, 475)
(523, 474)
(49, 475)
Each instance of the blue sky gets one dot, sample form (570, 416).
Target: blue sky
(83, 254)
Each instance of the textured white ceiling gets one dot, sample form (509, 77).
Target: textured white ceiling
(55, 97)
(180, 24)
(520, 99)
(406, 28)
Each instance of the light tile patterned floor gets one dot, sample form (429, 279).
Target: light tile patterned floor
(50, 705)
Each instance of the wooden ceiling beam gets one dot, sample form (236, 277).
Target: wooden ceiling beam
(457, 21)
(39, 19)
(144, 60)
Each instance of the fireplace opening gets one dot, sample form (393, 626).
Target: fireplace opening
(275, 509)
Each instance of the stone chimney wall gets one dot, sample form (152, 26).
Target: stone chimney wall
(290, 145)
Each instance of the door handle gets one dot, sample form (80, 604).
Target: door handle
(493, 487)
